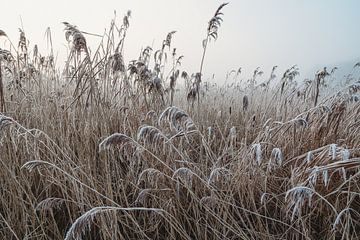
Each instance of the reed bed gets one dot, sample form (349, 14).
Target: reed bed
(104, 149)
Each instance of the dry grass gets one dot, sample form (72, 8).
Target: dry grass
(111, 157)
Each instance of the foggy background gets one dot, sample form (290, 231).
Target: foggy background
(310, 33)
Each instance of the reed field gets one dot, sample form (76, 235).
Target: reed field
(112, 148)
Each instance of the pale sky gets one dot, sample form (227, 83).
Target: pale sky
(310, 33)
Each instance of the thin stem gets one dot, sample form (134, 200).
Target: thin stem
(2, 98)
(200, 72)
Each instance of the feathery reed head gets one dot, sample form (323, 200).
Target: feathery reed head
(114, 140)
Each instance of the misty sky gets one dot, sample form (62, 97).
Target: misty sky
(310, 33)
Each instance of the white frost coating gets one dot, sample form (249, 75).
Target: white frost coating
(257, 149)
(345, 154)
(332, 151)
(309, 157)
